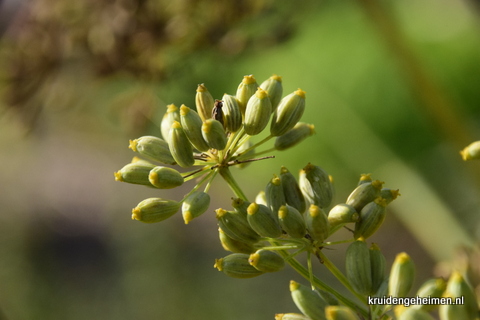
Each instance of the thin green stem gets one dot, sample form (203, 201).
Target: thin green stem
(205, 178)
(209, 183)
(258, 153)
(227, 176)
(194, 174)
(256, 145)
(330, 243)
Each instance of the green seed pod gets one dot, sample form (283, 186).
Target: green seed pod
(414, 314)
(153, 210)
(364, 193)
(195, 205)
(291, 316)
(192, 125)
(340, 215)
(340, 313)
(292, 221)
(136, 173)
(168, 119)
(358, 267)
(308, 301)
(257, 113)
(233, 245)
(236, 226)
(316, 186)
(266, 261)
(457, 287)
(274, 88)
(263, 221)
(389, 195)
(232, 116)
(288, 113)
(378, 265)
(245, 91)
(204, 102)
(180, 146)
(402, 276)
(274, 194)
(240, 206)
(153, 148)
(472, 151)
(165, 178)
(316, 221)
(261, 198)
(383, 289)
(236, 265)
(291, 191)
(214, 134)
(294, 136)
(364, 178)
(431, 288)
(328, 297)
(371, 218)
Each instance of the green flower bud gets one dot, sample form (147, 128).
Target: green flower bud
(195, 205)
(274, 194)
(263, 221)
(236, 265)
(308, 301)
(340, 215)
(291, 316)
(472, 151)
(389, 195)
(317, 223)
(236, 226)
(274, 88)
(168, 119)
(402, 276)
(266, 261)
(316, 185)
(414, 314)
(371, 218)
(431, 288)
(233, 245)
(292, 221)
(204, 102)
(288, 113)
(291, 191)
(261, 198)
(214, 134)
(192, 125)
(245, 91)
(153, 210)
(364, 193)
(240, 206)
(358, 267)
(136, 173)
(165, 178)
(152, 148)
(457, 287)
(364, 178)
(340, 313)
(180, 146)
(257, 113)
(231, 113)
(378, 264)
(294, 136)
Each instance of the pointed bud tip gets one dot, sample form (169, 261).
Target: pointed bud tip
(132, 145)
(300, 93)
(276, 77)
(252, 208)
(249, 79)
(201, 88)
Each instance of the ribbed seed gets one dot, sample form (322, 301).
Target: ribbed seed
(402, 276)
(168, 119)
(204, 102)
(274, 194)
(236, 226)
(257, 113)
(371, 218)
(317, 223)
(246, 89)
(292, 221)
(288, 113)
(389, 194)
(431, 288)
(233, 245)
(364, 193)
(231, 113)
(180, 146)
(165, 178)
(378, 264)
(308, 301)
(236, 265)
(365, 177)
(263, 221)
(155, 210)
(240, 206)
(316, 185)
(153, 148)
(340, 215)
(358, 267)
(274, 88)
(458, 287)
(291, 191)
(136, 173)
(192, 125)
(266, 261)
(195, 205)
(294, 136)
(214, 134)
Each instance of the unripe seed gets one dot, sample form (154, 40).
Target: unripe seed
(294, 136)
(180, 146)
(136, 173)
(364, 178)
(364, 193)
(402, 276)
(358, 267)
(153, 210)
(274, 194)
(378, 264)
(317, 223)
(291, 191)
(292, 221)
(236, 265)
(273, 86)
(245, 91)
(257, 113)
(316, 185)
(233, 245)
(240, 206)
(340, 313)
(195, 205)
(214, 134)
(472, 151)
(266, 261)
(340, 215)
(263, 221)
(288, 113)
(231, 113)
(389, 195)
(371, 218)
(204, 102)
(153, 148)
(236, 226)
(308, 301)
(261, 198)
(192, 125)
(431, 288)
(168, 119)
(458, 287)
(165, 178)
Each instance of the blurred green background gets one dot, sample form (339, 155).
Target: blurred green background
(392, 89)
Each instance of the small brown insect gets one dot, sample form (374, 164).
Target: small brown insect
(217, 112)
